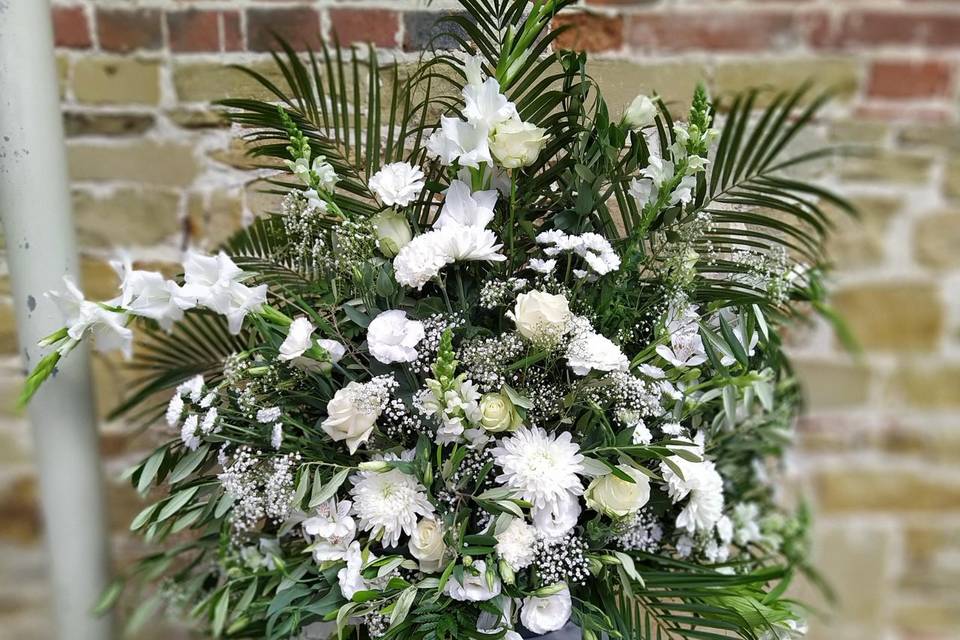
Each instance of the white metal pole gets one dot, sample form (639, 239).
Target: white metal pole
(41, 249)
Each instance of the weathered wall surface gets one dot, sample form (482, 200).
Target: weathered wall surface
(155, 170)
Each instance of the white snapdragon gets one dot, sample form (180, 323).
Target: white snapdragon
(641, 113)
(326, 176)
(392, 337)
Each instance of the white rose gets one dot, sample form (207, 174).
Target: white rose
(497, 413)
(393, 232)
(474, 587)
(642, 112)
(541, 316)
(517, 144)
(346, 421)
(543, 615)
(427, 546)
(616, 497)
(392, 337)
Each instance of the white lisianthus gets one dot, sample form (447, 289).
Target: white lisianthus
(616, 497)
(541, 316)
(466, 209)
(398, 183)
(389, 503)
(299, 339)
(427, 545)
(349, 420)
(474, 587)
(641, 113)
(516, 544)
(556, 520)
(516, 144)
(392, 337)
(109, 328)
(393, 232)
(550, 613)
(498, 413)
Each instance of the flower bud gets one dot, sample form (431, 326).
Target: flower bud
(374, 465)
(642, 112)
(498, 413)
(393, 232)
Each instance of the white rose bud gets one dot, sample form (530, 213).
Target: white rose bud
(498, 414)
(346, 421)
(393, 232)
(427, 546)
(642, 112)
(541, 316)
(616, 497)
(517, 144)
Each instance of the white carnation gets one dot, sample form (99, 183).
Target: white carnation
(515, 545)
(398, 183)
(392, 337)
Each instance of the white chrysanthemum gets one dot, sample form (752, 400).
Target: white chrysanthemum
(542, 467)
(421, 260)
(515, 545)
(389, 503)
(397, 183)
(598, 253)
(268, 415)
(174, 410)
(701, 485)
(188, 432)
(542, 266)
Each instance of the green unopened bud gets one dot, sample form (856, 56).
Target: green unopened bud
(507, 574)
(550, 590)
(374, 465)
(467, 561)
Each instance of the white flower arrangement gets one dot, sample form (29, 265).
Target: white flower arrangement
(481, 374)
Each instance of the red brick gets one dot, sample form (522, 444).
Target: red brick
(590, 32)
(352, 26)
(232, 31)
(900, 79)
(299, 26)
(755, 30)
(877, 28)
(70, 28)
(125, 30)
(193, 30)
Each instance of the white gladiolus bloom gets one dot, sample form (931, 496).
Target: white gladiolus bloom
(460, 141)
(466, 209)
(299, 339)
(474, 587)
(109, 328)
(389, 503)
(149, 295)
(515, 544)
(398, 183)
(641, 113)
(557, 520)
(486, 107)
(392, 337)
(550, 613)
(465, 244)
(517, 144)
(542, 467)
(701, 484)
(214, 282)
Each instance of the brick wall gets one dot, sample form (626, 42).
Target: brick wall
(154, 169)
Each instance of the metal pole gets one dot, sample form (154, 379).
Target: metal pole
(41, 249)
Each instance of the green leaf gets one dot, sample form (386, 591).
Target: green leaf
(149, 471)
(402, 606)
(188, 464)
(330, 488)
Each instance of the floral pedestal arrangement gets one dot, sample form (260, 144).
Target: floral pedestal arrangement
(515, 369)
